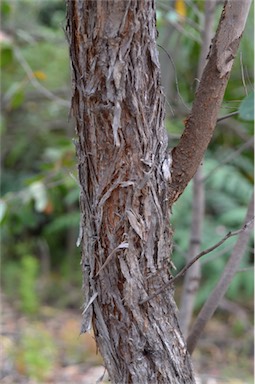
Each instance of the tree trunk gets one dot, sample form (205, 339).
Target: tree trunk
(124, 174)
(128, 180)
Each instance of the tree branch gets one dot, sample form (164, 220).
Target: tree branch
(200, 124)
(230, 157)
(192, 277)
(203, 253)
(221, 288)
(227, 116)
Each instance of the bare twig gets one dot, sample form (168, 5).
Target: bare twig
(175, 77)
(242, 73)
(201, 254)
(208, 250)
(229, 158)
(192, 277)
(247, 269)
(221, 288)
(165, 7)
(234, 126)
(227, 116)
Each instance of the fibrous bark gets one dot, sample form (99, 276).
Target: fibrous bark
(128, 183)
(124, 172)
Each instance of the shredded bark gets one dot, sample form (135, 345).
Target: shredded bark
(124, 172)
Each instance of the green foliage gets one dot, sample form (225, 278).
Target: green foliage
(6, 55)
(64, 222)
(5, 7)
(20, 280)
(39, 202)
(35, 353)
(27, 288)
(227, 192)
(238, 328)
(51, 13)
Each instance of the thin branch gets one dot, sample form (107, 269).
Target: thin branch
(227, 116)
(194, 8)
(201, 254)
(242, 74)
(234, 126)
(209, 250)
(175, 77)
(229, 158)
(221, 288)
(192, 23)
(247, 269)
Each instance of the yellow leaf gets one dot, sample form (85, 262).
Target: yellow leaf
(180, 8)
(40, 75)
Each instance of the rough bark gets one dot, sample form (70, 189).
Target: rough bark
(200, 124)
(124, 174)
(125, 178)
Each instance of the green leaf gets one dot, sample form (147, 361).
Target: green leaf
(14, 89)
(6, 8)
(6, 56)
(2, 125)
(246, 109)
(17, 99)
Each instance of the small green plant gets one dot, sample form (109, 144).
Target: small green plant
(28, 274)
(238, 328)
(36, 353)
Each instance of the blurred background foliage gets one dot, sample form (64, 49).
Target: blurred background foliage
(39, 206)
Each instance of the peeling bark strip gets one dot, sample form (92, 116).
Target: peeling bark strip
(124, 174)
(200, 125)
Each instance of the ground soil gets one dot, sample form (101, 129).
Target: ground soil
(47, 348)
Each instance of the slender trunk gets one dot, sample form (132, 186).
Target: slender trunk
(192, 277)
(124, 174)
